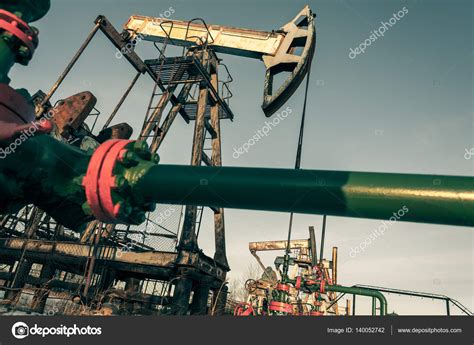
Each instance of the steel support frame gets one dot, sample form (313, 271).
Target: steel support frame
(188, 239)
(23, 266)
(39, 299)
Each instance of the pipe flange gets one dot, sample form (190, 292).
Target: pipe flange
(283, 287)
(280, 307)
(22, 38)
(244, 309)
(31, 10)
(107, 190)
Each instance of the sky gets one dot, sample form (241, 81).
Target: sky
(402, 106)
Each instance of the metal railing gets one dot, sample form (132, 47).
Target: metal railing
(448, 299)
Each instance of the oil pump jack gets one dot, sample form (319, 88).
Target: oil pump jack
(311, 288)
(118, 181)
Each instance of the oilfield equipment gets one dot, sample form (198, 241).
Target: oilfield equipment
(310, 285)
(91, 218)
(293, 293)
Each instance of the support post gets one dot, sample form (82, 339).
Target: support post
(200, 298)
(188, 239)
(168, 121)
(334, 265)
(313, 246)
(219, 225)
(323, 236)
(21, 273)
(131, 288)
(39, 299)
(24, 266)
(353, 305)
(181, 296)
(219, 300)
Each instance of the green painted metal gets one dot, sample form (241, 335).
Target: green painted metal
(391, 197)
(400, 292)
(362, 292)
(49, 174)
(7, 60)
(41, 170)
(28, 10)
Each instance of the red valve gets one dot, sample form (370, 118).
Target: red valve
(283, 287)
(298, 283)
(244, 309)
(280, 307)
(25, 35)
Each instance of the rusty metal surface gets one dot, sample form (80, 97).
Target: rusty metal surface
(278, 245)
(150, 263)
(223, 39)
(118, 131)
(70, 113)
(334, 265)
(216, 160)
(120, 43)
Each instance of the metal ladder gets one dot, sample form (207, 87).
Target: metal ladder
(157, 91)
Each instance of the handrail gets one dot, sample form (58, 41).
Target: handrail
(419, 294)
(204, 44)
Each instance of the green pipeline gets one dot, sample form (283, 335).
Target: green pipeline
(392, 197)
(361, 292)
(47, 173)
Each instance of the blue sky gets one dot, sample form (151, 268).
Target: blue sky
(405, 105)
